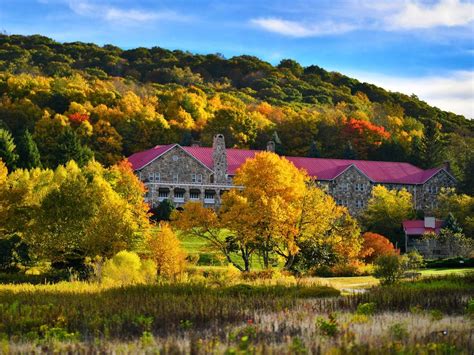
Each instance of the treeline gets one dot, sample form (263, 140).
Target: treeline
(78, 101)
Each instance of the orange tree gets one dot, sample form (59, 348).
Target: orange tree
(376, 245)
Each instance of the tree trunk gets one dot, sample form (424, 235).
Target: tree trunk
(289, 262)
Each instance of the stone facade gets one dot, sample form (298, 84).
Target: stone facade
(426, 194)
(351, 189)
(178, 176)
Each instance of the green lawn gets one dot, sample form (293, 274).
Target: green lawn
(441, 272)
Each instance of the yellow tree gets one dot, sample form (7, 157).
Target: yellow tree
(279, 210)
(198, 221)
(165, 250)
(386, 211)
(273, 189)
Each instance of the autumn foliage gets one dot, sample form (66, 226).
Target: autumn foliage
(376, 245)
(166, 252)
(78, 117)
(364, 136)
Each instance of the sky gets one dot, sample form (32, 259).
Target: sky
(421, 47)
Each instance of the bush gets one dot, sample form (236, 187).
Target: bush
(450, 263)
(126, 268)
(376, 245)
(413, 261)
(388, 268)
(366, 309)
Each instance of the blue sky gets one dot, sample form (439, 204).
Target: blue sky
(412, 46)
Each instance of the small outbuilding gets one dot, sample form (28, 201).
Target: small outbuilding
(415, 237)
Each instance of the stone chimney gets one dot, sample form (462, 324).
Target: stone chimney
(430, 222)
(219, 158)
(271, 146)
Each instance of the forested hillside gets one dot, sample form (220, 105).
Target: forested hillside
(62, 101)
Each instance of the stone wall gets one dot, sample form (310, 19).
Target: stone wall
(351, 189)
(429, 248)
(426, 194)
(178, 162)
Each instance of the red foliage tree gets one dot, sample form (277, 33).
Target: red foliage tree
(78, 117)
(364, 136)
(376, 245)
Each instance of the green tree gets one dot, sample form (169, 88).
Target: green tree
(69, 147)
(8, 149)
(237, 127)
(432, 145)
(460, 206)
(28, 152)
(163, 211)
(386, 210)
(87, 212)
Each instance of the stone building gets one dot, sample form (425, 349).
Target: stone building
(182, 173)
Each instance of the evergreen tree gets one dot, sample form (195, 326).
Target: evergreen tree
(186, 139)
(314, 151)
(70, 148)
(432, 145)
(28, 152)
(7, 149)
(452, 224)
(163, 211)
(349, 152)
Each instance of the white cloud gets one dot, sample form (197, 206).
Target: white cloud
(452, 92)
(299, 29)
(128, 16)
(446, 13)
(389, 15)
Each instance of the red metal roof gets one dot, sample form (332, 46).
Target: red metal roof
(417, 227)
(320, 168)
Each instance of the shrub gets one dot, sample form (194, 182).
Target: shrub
(376, 245)
(126, 268)
(165, 250)
(413, 261)
(388, 268)
(367, 309)
(470, 308)
(398, 331)
(450, 263)
(328, 327)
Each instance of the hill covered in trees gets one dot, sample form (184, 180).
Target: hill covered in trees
(62, 101)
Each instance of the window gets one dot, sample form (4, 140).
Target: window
(175, 178)
(194, 195)
(359, 187)
(179, 194)
(157, 177)
(344, 186)
(196, 178)
(151, 177)
(162, 194)
(433, 189)
(359, 203)
(209, 195)
(342, 202)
